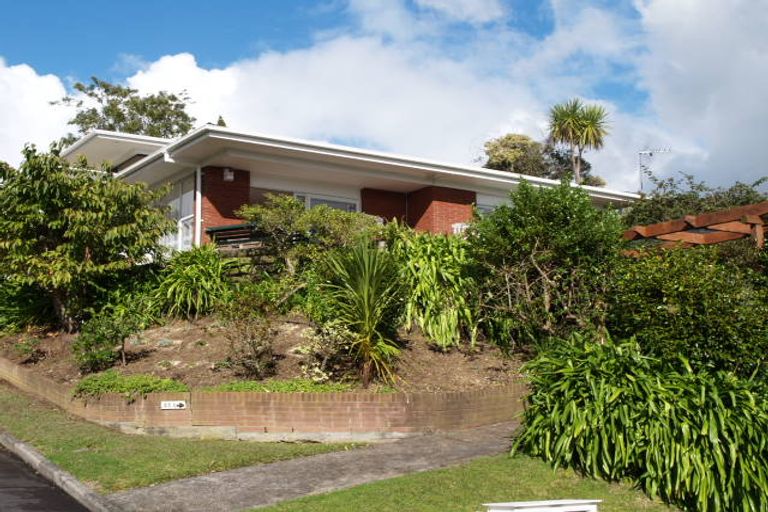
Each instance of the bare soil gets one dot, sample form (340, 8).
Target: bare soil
(195, 352)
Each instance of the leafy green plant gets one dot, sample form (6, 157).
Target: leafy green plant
(285, 386)
(194, 283)
(131, 386)
(22, 306)
(367, 295)
(101, 341)
(440, 289)
(64, 226)
(694, 439)
(295, 235)
(544, 261)
(28, 348)
(687, 302)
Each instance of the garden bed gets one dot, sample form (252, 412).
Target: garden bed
(195, 353)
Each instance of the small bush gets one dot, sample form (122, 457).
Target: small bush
(326, 353)
(194, 283)
(367, 296)
(132, 386)
(697, 440)
(102, 341)
(285, 386)
(440, 289)
(250, 333)
(689, 303)
(22, 306)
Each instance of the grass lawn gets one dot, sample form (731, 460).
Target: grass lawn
(466, 487)
(112, 461)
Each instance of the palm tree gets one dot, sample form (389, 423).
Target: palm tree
(579, 126)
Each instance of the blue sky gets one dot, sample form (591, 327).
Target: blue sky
(433, 78)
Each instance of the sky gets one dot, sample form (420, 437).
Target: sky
(428, 78)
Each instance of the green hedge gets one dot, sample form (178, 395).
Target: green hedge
(697, 440)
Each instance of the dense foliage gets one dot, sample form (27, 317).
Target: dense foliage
(367, 296)
(194, 283)
(696, 439)
(105, 106)
(102, 341)
(131, 386)
(578, 127)
(689, 303)
(674, 198)
(22, 305)
(440, 290)
(285, 386)
(294, 235)
(66, 229)
(544, 262)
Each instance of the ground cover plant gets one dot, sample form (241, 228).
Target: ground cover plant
(285, 386)
(464, 488)
(131, 386)
(111, 461)
(696, 439)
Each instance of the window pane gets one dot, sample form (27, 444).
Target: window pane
(339, 205)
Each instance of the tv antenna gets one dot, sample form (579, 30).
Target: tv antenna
(643, 159)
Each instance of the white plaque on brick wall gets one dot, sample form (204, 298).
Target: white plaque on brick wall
(169, 405)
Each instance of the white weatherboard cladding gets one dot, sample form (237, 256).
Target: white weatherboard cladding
(305, 187)
(489, 200)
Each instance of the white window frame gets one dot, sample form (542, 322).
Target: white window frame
(308, 196)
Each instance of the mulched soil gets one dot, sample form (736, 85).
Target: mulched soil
(195, 353)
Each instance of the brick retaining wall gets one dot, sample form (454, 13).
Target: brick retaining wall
(283, 416)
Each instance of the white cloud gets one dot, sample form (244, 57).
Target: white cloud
(25, 111)
(472, 11)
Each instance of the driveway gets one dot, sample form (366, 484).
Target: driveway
(23, 490)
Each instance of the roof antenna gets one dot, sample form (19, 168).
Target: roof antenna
(643, 159)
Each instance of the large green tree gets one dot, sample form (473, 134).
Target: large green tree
(106, 106)
(519, 153)
(65, 229)
(579, 127)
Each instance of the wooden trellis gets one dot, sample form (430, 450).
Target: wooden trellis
(707, 228)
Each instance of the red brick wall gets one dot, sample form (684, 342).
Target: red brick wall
(383, 203)
(222, 198)
(240, 414)
(436, 209)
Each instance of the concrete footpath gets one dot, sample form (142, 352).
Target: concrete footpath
(23, 490)
(258, 486)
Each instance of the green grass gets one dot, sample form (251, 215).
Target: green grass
(465, 488)
(132, 386)
(284, 386)
(112, 461)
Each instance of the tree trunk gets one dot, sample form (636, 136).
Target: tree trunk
(61, 308)
(367, 373)
(577, 167)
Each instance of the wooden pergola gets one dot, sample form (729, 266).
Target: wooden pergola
(707, 228)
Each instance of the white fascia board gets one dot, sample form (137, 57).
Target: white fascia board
(110, 135)
(362, 155)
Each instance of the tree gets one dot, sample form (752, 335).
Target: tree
(118, 108)
(66, 228)
(580, 127)
(519, 153)
(221, 122)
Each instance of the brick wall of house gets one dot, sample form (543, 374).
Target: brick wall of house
(436, 209)
(383, 203)
(222, 198)
(238, 415)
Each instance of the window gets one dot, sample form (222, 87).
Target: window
(310, 201)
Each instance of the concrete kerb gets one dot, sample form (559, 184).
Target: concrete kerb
(62, 479)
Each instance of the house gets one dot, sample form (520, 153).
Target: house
(214, 170)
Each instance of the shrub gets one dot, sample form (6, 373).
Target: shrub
(22, 306)
(440, 289)
(250, 333)
(687, 302)
(194, 283)
(543, 263)
(102, 341)
(326, 353)
(295, 235)
(367, 295)
(285, 386)
(694, 439)
(132, 386)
